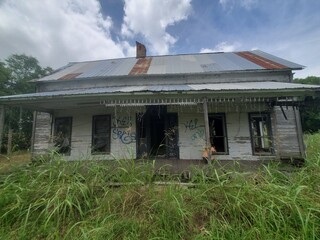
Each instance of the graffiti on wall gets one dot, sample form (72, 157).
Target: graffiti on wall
(192, 125)
(122, 129)
(197, 131)
(124, 135)
(122, 121)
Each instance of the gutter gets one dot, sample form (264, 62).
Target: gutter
(293, 92)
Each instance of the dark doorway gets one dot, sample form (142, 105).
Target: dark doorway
(218, 132)
(62, 135)
(157, 133)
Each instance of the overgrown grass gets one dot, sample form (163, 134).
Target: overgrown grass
(15, 160)
(60, 200)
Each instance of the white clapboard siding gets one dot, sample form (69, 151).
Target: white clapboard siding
(191, 135)
(286, 132)
(42, 133)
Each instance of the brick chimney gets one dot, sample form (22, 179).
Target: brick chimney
(141, 50)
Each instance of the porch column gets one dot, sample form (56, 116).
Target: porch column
(1, 123)
(206, 126)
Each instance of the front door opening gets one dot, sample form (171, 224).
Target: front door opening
(155, 135)
(218, 132)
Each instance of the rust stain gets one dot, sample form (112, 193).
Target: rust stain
(69, 76)
(261, 61)
(141, 66)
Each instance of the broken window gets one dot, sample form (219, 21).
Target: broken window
(218, 132)
(101, 128)
(260, 133)
(62, 135)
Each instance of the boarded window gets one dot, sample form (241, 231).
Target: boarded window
(218, 132)
(260, 127)
(62, 135)
(101, 128)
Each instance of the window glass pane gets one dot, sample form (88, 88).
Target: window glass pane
(261, 133)
(101, 134)
(62, 135)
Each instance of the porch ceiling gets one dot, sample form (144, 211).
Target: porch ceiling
(77, 98)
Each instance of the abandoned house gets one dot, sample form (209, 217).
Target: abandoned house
(243, 104)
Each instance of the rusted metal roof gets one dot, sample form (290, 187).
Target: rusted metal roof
(261, 61)
(173, 64)
(69, 76)
(141, 66)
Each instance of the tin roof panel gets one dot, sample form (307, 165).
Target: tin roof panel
(173, 64)
(282, 61)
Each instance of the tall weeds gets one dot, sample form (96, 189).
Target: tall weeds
(100, 200)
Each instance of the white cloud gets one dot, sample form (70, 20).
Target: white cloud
(56, 32)
(222, 47)
(248, 4)
(229, 4)
(151, 19)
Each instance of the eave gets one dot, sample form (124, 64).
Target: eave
(79, 98)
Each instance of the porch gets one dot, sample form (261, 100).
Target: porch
(246, 121)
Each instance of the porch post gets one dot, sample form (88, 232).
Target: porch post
(206, 126)
(1, 123)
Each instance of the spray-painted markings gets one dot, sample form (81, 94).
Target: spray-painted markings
(125, 136)
(198, 134)
(124, 121)
(192, 125)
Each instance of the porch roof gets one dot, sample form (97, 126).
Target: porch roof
(59, 99)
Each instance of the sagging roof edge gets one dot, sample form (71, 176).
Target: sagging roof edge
(172, 75)
(10, 100)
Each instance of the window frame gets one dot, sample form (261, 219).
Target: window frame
(94, 137)
(225, 132)
(55, 133)
(267, 116)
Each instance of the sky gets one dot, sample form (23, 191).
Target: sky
(57, 32)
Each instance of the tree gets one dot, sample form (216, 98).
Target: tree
(22, 69)
(4, 79)
(310, 115)
(15, 75)
(308, 80)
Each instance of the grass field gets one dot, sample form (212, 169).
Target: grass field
(59, 200)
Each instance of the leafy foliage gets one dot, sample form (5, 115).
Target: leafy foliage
(4, 79)
(15, 75)
(22, 69)
(310, 115)
(308, 80)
